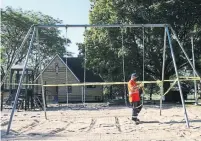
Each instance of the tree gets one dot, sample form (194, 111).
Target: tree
(14, 26)
(104, 46)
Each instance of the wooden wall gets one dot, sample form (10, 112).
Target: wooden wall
(51, 77)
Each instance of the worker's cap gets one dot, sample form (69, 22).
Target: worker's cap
(133, 75)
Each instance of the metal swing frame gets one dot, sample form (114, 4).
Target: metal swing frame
(166, 35)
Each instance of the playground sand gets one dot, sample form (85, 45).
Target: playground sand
(103, 124)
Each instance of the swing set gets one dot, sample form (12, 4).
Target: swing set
(169, 34)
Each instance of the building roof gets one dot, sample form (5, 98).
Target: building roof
(76, 66)
(20, 67)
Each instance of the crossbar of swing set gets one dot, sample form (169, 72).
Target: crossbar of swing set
(103, 25)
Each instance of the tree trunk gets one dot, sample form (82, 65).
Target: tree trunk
(2, 73)
(1, 101)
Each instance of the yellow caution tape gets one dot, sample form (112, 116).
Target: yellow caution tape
(15, 84)
(119, 83)
(109, 83)
(172, 85)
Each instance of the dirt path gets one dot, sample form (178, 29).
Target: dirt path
(104, 124)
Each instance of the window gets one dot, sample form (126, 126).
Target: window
(56, 68)
(91, 86)
(70, 89)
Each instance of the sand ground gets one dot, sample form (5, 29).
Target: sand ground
(104, 124)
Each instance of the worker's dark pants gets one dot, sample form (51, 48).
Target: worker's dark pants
(136, 108)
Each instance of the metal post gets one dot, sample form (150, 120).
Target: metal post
(66, 83)
(26, 94)
(85, 59)
(20, 83)
(163, 70)
(195, 82)
(143, 51)
(17, 78)
(2, 100)
(178, 82)
(14, 58)
(66, 67)
(82, 88)
(184, 52)
(33, 91)
(143, 62)
(11, 80)
(32, 80)
(41, 74)
(123, 64)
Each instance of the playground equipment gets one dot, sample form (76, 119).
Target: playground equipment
(167, 35)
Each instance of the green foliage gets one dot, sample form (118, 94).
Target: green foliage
(2, 51)
(104, 45)
(15, 25)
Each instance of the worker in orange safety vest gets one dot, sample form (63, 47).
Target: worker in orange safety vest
(134, 97)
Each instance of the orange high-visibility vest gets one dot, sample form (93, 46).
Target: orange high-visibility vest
(134, 95)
